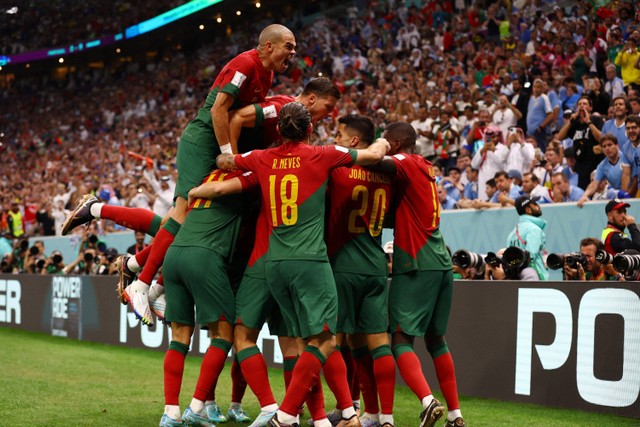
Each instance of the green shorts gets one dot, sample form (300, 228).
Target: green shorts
(306, 294)
(187, 285)
(195, 160)
(420, 302)
(362, 303)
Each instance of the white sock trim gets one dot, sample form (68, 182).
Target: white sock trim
(426, 401)
(96, 209)
(132, 264)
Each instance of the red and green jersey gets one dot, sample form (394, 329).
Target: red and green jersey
(359, 200)
(244, 78)
(265, 132)
(293, 179)
(216, 224)
(417, 241)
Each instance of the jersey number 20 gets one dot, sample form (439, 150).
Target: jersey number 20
(379, 202)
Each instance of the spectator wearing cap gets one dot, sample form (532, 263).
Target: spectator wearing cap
(521, 152)
(529, 233)
(539, 114)
(562, 190)
(584, 129)
(613, 236)
(490, 159)
(615, 169)
(616, 124)
(613, 85)
(569, 170)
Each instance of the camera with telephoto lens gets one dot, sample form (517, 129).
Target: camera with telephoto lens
(493, 260)
(627, 261)
(514, 260)
(33, 251)
(557, 261)
(466, 259)
(57, 259)
(603, 257)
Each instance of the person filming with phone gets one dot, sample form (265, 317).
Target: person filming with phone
(521, 153)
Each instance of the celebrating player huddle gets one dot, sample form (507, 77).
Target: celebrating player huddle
(316, 267)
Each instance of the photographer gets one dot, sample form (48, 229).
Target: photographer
(34, 260)
(106, 264)
(529, 233)
(467, 265)
(53, 264)
(589, 267)
(88, 262)
(511, 263)
(20, 253)
(613, 236)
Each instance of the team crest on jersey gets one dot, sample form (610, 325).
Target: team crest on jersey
(431, 173)
(238, 79)
(270, 112)
(343, 149)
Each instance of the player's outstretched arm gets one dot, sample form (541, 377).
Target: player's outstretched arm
(374, 153)
(226, 162)
(215, 189)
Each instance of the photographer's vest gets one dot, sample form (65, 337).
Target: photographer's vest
(606, 238)
(16, 223)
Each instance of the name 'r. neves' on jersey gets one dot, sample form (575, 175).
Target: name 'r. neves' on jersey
(286, 163)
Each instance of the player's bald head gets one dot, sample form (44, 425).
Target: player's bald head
(402, 133)
(273, 33)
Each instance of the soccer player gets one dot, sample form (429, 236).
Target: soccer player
(293, 179)
(246, 79)
(359, 200)
(422, 284)
(208, 237)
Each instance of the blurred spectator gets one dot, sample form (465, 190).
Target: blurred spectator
(506, 115)
(45, 220)
(521, 152)
(616, 124)
(15, 220)
(627, 59)
(562, 190)
(614, 86)
(490, 159)
(584, 129)
(507, 192)
(614, 169)
(552, 163)
(539, 114)
(139, 245)
(630, 147)
(446, 201)
(569, 170)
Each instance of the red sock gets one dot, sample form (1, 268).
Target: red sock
(335, 373)
(136, 219)
(315, 401)
(212, 364)
(352, 373)
(211, 396)
(173, 371)
(411, 372)
(161, 243)
(447, 379)
(254, 370)
(307, 369)
(238, 383)
(367, 380)
(288, 364)
(143, 255)
(385, 376)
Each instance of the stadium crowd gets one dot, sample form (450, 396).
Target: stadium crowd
(507, 99)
